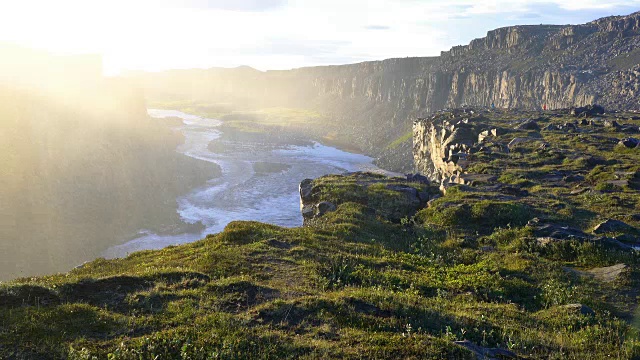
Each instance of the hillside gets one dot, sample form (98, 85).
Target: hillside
(370, 104)
(529, 255)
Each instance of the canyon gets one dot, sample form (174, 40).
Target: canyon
(373, 104)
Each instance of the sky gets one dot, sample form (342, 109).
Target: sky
(154, 35)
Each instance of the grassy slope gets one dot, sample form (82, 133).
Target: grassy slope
(353, 284)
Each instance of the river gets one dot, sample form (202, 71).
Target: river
(259, 181)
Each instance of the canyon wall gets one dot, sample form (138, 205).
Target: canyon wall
(530, 67)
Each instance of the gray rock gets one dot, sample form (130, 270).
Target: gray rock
(307, 211)
(608, 273)
(628, 238)
(579, 308)
(519, 140)
(611, 226)
(305, 188)
(573, 178)
(325, 207)
(483, 135)
(589, 110)
(546, 230)
(611, 124)
(528, 125)
(486, 353)
(629, 142)
(418, 178)
(579, 191)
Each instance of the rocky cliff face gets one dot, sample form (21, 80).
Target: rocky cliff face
(442, 143)
(457, 146)
(527, 67)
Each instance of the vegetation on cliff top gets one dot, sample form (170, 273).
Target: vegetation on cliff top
(373, 279)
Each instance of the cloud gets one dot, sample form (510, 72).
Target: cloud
(267, 34)
(235, 5)
(377, 27)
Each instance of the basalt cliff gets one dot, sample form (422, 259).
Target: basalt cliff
(371, 104)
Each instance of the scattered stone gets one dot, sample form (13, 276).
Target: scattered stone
(305, 188)
(528, 125)
(573, 178)
(487, 353)
(544, 146)
(609, 273)
(483, 135)
(430, 202)
(589, 110)
(325, 207)
(412, 194)
(579, 308)
(628, 238)
(543, 229)
(629, 142)
(424, 197)
(513, 190)
(630, 129)
(618, 184)
(418, 178)
(611, 124)
(519, 140)
(474, 179)
(307, 211)
(278, 244)
(579, 191)
(612, 226)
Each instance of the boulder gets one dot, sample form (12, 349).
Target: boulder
(418, 178)
(308, 212)
(516, 141)
(607, 274)
(550, 231)
(305, 188)
(612, 226)
(580, 190)
(578, 309)
(486, 353)
(589, 110)
(628, 238)
(611, 124)
(630, 129)
(629, 142)
(324, 207)
(483, 135)
(528, 125)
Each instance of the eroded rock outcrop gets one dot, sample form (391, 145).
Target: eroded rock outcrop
(444, 142)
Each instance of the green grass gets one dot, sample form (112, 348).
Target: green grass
(382, 277)
(365, 285)
(408, 136)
